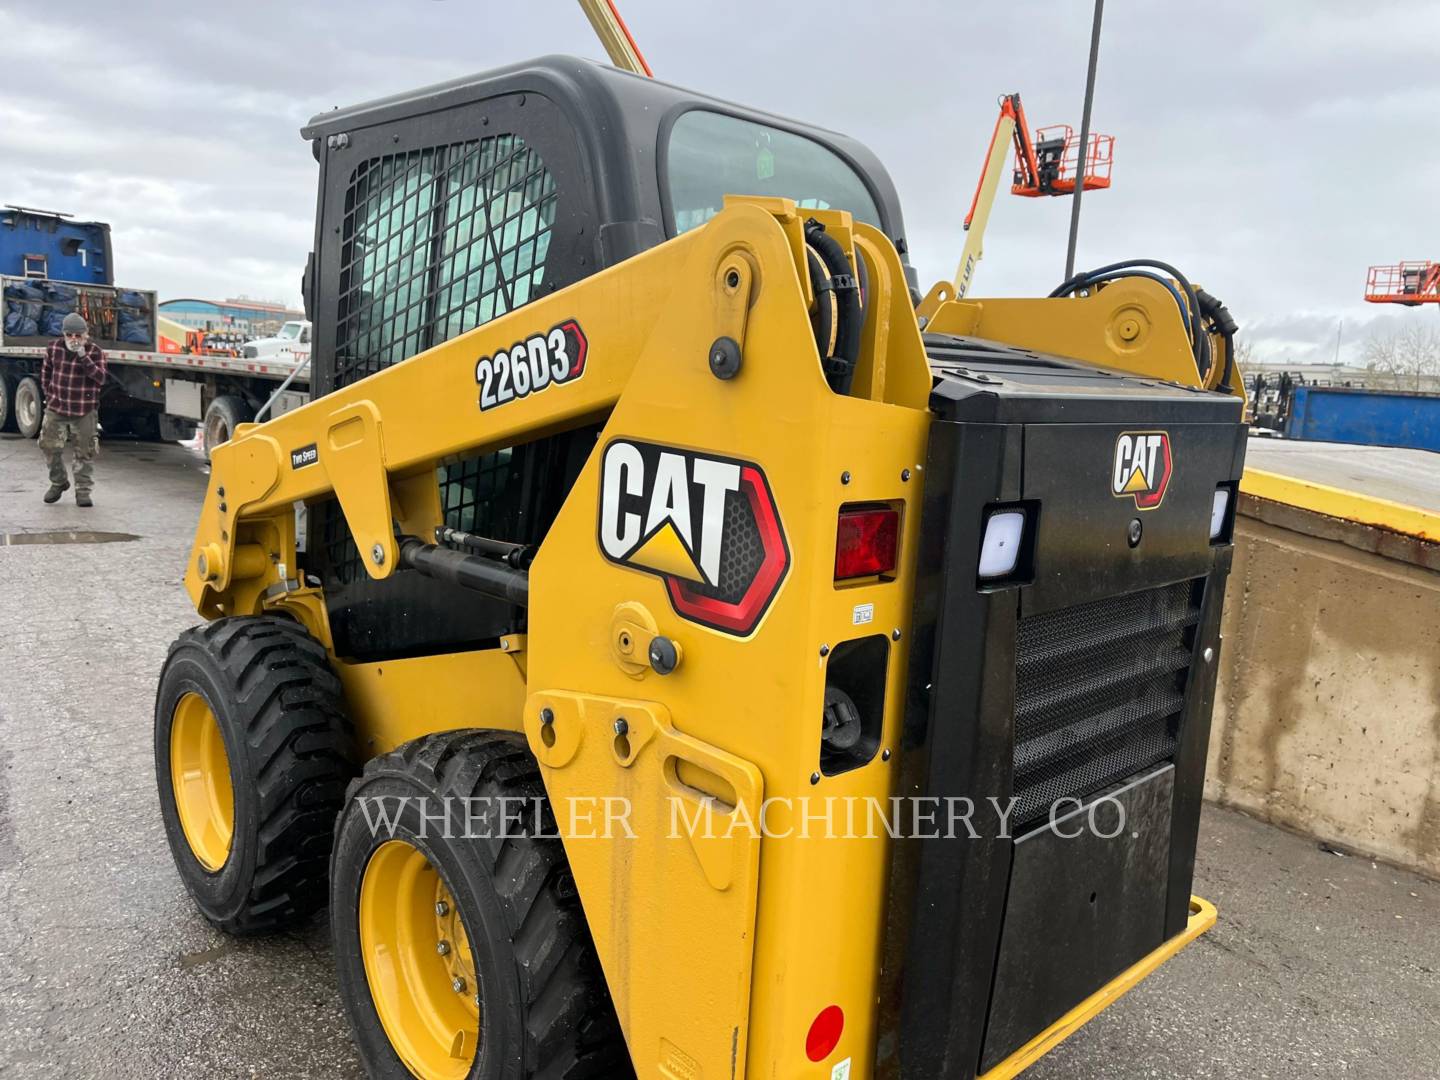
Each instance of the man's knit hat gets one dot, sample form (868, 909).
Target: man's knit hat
(74, 324)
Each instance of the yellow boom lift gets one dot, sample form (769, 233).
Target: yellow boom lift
(686, 666)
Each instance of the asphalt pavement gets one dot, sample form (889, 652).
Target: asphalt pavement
(1322, 965)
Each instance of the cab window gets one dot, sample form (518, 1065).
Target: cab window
(711, 155)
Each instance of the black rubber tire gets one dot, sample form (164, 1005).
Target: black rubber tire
(225, 414)
(7, 398)
(546, 1011)
(28, 398)
(281, 714)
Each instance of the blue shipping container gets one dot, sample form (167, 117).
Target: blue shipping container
(37, 243)
(1369, 417)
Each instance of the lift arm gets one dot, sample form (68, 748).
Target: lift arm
(374, 445)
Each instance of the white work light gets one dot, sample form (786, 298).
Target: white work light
(1219, 506)
(1000, 548)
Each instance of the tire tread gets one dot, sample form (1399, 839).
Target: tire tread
(288, 704)
(571, 1029)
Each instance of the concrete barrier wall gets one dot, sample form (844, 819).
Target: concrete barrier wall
(1327, 712)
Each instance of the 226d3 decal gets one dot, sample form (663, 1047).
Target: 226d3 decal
(707, 526)
(537, 363)
(1142, 467)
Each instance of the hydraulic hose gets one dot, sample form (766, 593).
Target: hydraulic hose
(1225, 325)
(839, 362)
(826, 317)
(1169, 287)
(1199, 339)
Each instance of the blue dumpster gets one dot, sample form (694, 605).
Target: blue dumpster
(1369, 417)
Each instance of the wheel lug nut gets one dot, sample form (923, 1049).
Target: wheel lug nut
(442, 908)
(442, 947)
(458, 985)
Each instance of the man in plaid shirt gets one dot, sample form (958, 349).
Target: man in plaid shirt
(71, 376)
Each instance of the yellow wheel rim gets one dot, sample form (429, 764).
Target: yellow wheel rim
(418, 963)
(200, 779)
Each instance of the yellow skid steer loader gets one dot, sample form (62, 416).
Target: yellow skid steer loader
(698, 655)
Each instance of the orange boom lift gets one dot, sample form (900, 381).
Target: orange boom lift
(1046, 164)
(1408, 283)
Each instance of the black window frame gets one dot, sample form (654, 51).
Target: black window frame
(662, 158)
(531, 116)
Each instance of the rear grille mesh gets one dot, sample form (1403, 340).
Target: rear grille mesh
(1099, 691)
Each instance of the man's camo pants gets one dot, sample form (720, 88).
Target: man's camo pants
(83, 433)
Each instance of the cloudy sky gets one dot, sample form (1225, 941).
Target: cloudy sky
(1271, 150)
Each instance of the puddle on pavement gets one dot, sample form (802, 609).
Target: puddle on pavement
(204, 956)
(65, 536)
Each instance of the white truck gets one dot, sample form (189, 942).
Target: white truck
(291, 343)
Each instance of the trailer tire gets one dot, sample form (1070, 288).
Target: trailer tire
(252, 754)
(517, 982)
(29, 407)
(225, 414)
(7, 402)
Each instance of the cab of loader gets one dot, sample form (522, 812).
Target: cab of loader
(444, 208)
(981, 566)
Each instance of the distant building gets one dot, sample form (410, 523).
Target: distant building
(1337, 375)
(253, 318)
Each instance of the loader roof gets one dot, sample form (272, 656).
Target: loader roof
(624, 122)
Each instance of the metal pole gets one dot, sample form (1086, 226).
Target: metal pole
(282, 388)
(1084, 141)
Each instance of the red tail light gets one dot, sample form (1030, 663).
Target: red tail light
(867, 540)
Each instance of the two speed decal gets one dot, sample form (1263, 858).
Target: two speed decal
(530, 366)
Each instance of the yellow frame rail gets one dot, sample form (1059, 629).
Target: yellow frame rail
(1202, 917)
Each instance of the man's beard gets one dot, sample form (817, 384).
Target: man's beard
(76, 347)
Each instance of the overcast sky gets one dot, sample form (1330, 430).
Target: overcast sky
(1270, 150)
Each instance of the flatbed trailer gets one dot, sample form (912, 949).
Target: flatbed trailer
(160, 395)
(52, 264)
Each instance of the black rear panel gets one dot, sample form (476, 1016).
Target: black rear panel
(1098, 693)
(1086, 678)
(1082, 906)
